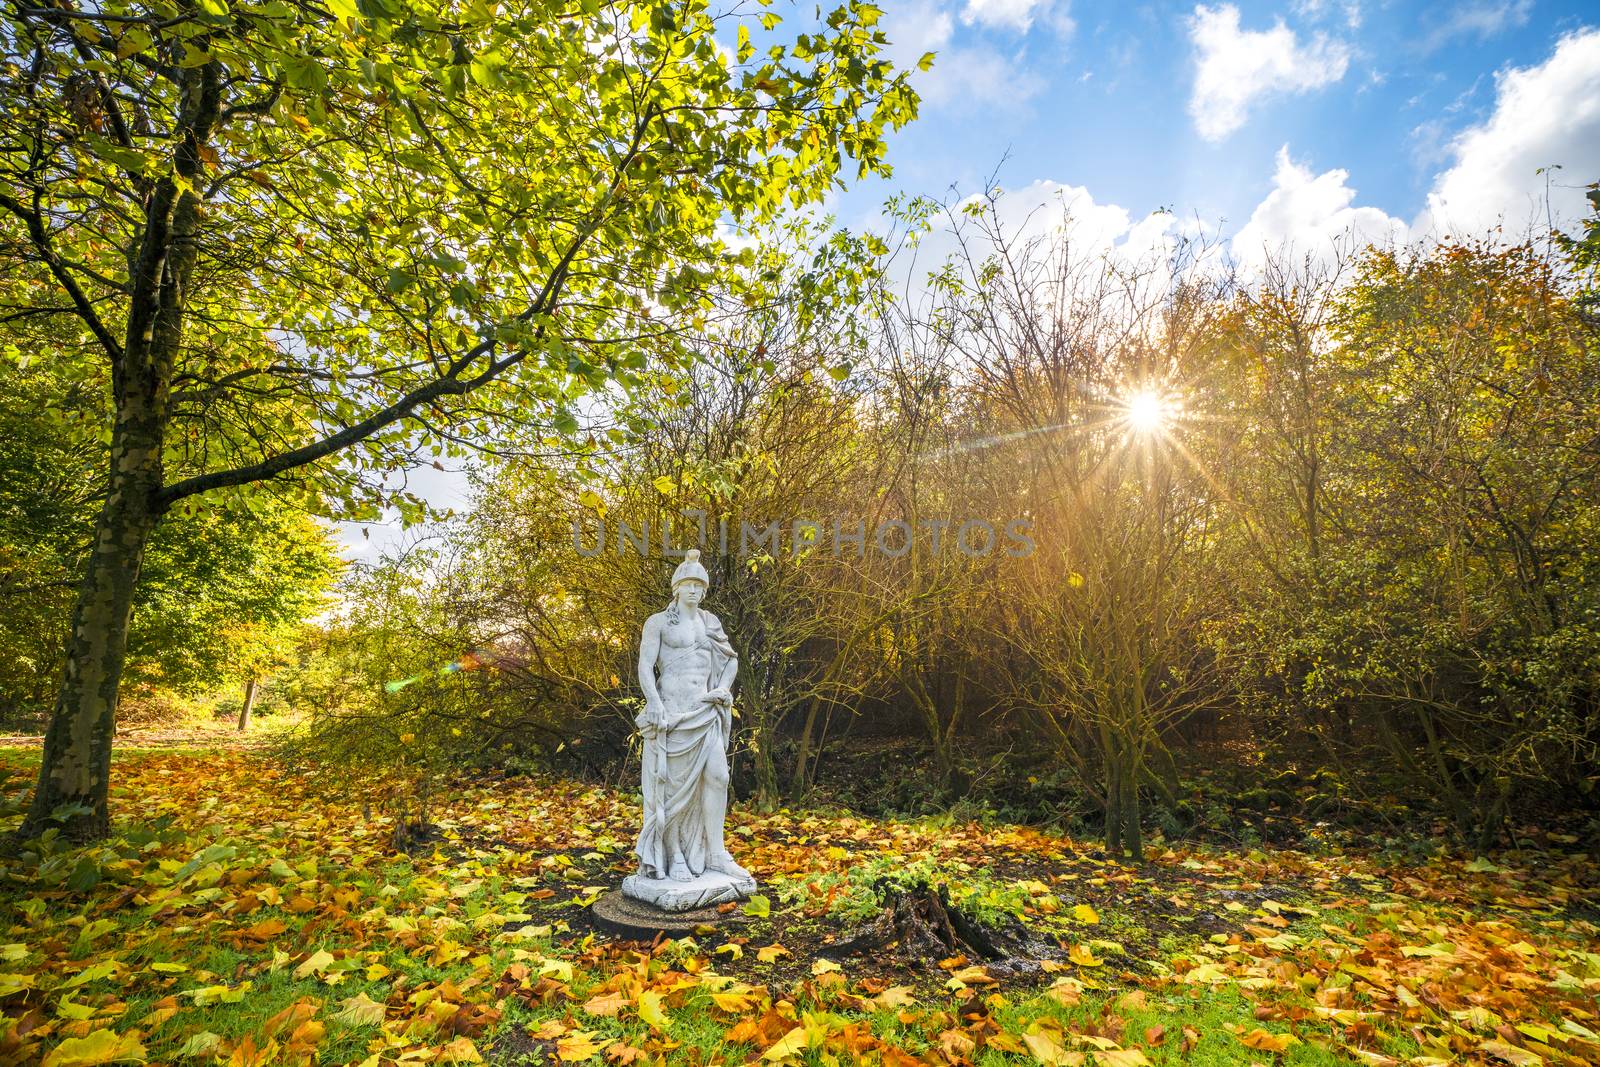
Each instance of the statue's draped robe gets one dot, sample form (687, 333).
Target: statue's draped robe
(675, 841)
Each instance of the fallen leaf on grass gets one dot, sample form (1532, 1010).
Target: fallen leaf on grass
(1049, 1052)
(199, 1044)
(580, 1045)
(1121, 1057)
(461, 1050)
(788, 1047)
(1517, 1057)
(736, 1002)
(361, 1010)
(1081, 955)
(315, 963)
(606, 1004)
(264, 931)
(898, 996)
(956, 1044)
(770, 953)
(101, 1046)
(650, 1010)
(1267, 1041)
(291, 1017)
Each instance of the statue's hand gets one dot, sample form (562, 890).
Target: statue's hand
(649, 720)
(719, 695)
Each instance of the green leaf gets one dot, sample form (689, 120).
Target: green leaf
(758, 906)
(85, 876)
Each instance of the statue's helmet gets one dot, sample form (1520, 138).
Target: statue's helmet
(690, 570)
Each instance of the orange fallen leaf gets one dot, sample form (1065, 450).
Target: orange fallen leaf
(606, 1004)
(1267, 1041)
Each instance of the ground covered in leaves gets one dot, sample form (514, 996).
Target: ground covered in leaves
(251, 913)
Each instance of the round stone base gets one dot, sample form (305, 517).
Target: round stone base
(635, 919)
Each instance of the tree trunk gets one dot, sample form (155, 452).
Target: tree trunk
(1113, 769)
(249, 703)
(74, 774)
(1131, 837)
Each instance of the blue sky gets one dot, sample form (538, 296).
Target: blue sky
(1189, 106)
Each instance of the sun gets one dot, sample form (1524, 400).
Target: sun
(1147, 411)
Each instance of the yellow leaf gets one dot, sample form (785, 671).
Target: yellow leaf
(361, 1010)
(789, 1047)
(559, 969)
(1085, 914)
(461, 1050)
(12, 984)
(1065, 991)
(732, 948)
(650, 1010)
(1206, 973)
(974, 975)
(1517, 1057)
(896, 996)
(770, 953)
(1081, 955)
(1049, 1052)
(101, 1046)
(824, 967)
(580, 1045)
(1121, 1057)
(735, 1002)
(315, 963)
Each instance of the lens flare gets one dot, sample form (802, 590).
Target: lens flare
(1147, 411)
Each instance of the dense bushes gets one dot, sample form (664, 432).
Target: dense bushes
(1339, 522)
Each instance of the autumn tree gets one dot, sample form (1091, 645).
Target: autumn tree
(309, 241)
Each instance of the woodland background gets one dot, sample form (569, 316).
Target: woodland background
(1349, 580)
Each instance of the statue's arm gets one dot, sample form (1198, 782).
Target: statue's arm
(649, 650)
(730, 666)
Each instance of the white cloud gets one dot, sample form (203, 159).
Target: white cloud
(969, 76)
(1018, 15)
(1482, 19)
(1543, 115)
(1046, 209)
(1235, 67)
(1313, 215)
(1036, 219)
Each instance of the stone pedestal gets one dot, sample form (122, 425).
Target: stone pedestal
(711, 888)
(623, 916)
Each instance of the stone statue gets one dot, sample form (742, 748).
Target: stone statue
(686, 669)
